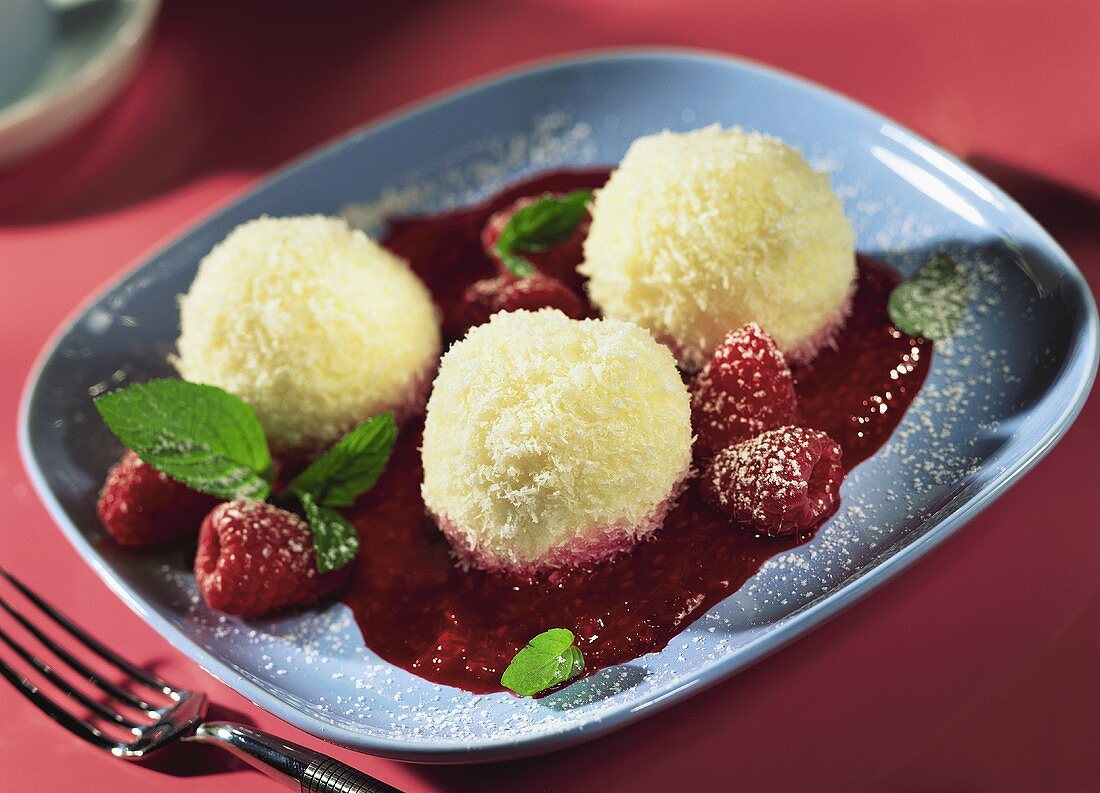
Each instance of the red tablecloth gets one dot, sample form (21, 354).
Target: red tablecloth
(974, 671)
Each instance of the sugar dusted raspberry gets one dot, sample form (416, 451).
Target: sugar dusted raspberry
(745, 389)
(559, 262)
(255, 558)
(781, 482)
(140, 507)
(484, 298)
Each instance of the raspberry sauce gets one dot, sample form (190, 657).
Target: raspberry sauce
(417, 610)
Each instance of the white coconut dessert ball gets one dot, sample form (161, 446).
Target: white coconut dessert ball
(551, 442)
(313, 324)
(698, 233)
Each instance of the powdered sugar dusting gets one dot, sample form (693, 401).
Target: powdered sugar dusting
(780, 482)
(467, 175)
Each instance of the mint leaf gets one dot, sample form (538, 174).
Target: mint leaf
(351, 466)
(200, 435)
(548, 660)
(336, 479)
(517, 265)
(335, 540)
(932, 302)
(540, 226)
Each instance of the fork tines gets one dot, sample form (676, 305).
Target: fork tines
(109, 709)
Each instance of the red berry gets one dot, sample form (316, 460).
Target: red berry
(540, 291)
(481, 300)
(484, 298)
(559, 262)
(782, 482)
(140, 507)
(254, 558)
(745, 389)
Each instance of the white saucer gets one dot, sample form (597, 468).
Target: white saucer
(95, 47)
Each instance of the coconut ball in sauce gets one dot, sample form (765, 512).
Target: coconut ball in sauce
(697, 233)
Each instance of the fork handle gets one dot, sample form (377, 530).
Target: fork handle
(295, 766)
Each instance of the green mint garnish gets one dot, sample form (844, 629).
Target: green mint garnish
(335, 540)
(517, 265)
(351, 466)
(336, 479)
(548, 660)
(539, 227)
(932, 302)
(213, 442)
(202, 436)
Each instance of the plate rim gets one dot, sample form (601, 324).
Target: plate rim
(1081, 365)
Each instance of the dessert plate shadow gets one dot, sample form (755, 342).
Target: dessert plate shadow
(999, 395)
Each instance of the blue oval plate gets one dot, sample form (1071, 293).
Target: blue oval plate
(1000, 393)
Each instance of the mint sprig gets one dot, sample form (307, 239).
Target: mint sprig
(548, 660)
(538, 227)
(199, 435)
(351, 466)
(335, 540)
(932, 302)
(336, 479)
(213, 442)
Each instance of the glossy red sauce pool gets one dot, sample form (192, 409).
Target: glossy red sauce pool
(461, 628)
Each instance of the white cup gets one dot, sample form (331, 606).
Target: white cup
(26, 32)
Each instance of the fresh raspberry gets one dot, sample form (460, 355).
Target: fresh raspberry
(484, 298)
(782, 482)
(559, 262)
(140, 507)
(745, 389)
(254, 558)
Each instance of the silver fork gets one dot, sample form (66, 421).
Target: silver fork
(180, 718)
